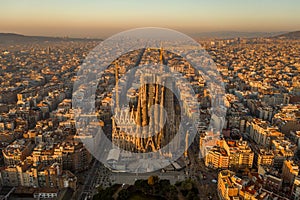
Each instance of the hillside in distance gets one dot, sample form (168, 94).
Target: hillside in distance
(295, 35)
(234, 34)
(13, 38)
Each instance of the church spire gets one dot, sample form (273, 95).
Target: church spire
(117, 86)
(161, 59)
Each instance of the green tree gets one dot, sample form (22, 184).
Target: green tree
(123, 195)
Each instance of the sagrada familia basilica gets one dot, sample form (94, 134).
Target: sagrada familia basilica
(151, 119)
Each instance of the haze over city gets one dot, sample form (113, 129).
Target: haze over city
(100, 19)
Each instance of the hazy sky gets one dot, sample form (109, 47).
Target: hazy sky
(101, 18)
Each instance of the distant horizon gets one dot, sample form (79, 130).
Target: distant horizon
(103, 18)
(195, 34)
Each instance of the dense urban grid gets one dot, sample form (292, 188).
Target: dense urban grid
(256, 156)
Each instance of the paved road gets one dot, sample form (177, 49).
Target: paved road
(196, 170)
(130, 178)
(89, 184)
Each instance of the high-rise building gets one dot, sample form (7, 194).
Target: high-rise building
(25, 174)
(227, 185)
(262, 133)
(265, 157)
(17, 151)
(289, 171)
(240, 154)
(230, 154)
(217, 158)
